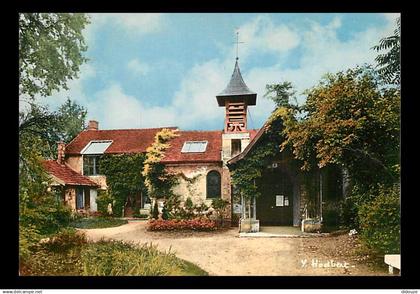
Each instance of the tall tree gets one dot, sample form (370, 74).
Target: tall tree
(352, 121)
(281, 93)
(389, 63)
(72, 120)
(50, 127)
(51, 47)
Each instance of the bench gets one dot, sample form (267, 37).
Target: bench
(393, 261)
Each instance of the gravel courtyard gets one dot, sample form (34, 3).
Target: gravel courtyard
(226, 254)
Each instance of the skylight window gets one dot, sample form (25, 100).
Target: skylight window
(96, 147)
(194, 146)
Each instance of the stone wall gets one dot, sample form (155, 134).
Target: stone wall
(196, 188)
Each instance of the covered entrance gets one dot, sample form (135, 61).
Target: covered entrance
(274, 207)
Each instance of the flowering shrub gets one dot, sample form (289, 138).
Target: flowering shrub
(172, 225)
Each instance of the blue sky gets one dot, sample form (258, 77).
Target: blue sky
(153, 70)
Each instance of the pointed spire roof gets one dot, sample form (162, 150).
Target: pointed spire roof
(237, 89)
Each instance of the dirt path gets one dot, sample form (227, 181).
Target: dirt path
(224, 253)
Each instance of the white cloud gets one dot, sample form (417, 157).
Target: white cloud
(323, 52)
(116, 110)
(134, 24)
(138, 67)
(261, 35)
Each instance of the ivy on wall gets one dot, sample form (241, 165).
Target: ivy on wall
(248, 170)
(123, 176)
(158, 181)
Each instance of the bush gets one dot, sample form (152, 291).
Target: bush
(47, 219)
(28, 238)
(155, 211)
(57, 255)
(380, 222)
(331, 214)
(165, 214)
(103, 258)
(349, 214)
(65, 240)
(197, 224)
(102, 200)
(121, 259)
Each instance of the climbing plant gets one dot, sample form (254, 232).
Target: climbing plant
(158, 180)
(248, 170)
(124, 177)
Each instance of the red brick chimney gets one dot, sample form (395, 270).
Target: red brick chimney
(93, 125)
(61, 149)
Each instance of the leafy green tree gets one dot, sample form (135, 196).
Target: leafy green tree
(51, 47)
(51, 127)
(349, 117)
(281, 94)
(389, 63)
(71, 120)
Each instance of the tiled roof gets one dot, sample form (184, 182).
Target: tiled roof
(124, 141)
(137, 140)
(212, 153)
(66, 174)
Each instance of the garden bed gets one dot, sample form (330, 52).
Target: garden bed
(182, 225)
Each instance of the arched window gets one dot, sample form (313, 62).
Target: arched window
(213, 184)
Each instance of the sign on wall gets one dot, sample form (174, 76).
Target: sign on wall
(282, 200)
(279, 200)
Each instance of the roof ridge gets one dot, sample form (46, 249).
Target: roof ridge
(136, 129)
(201, 131)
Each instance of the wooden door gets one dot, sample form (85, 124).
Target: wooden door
(275, 204)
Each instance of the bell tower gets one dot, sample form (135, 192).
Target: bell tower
(235, 98)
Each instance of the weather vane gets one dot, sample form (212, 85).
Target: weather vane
(237, 43)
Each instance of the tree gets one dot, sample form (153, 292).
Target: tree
(389, 63)
(71, 120)
(51, 47)
(51, 127)
(351, 121)
(281, 94)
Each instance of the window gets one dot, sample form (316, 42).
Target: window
(194, 146)
(79, 198)
(235, 147)
(96, 147)
(91, 165)
(213, 184)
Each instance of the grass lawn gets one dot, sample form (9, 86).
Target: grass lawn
(98, 222)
